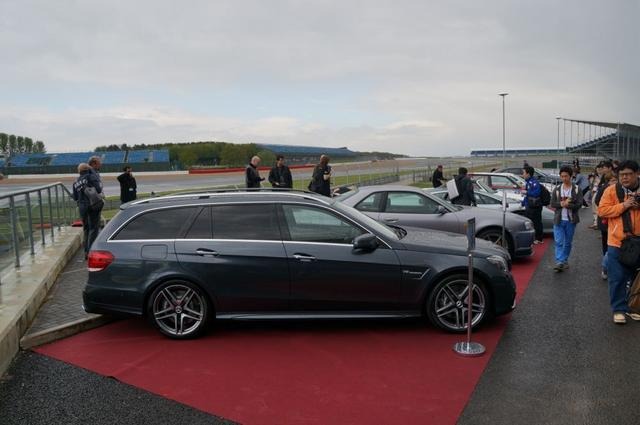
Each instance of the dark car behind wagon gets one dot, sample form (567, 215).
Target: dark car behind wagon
(185, 260)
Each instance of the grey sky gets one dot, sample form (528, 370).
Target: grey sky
(419, 78)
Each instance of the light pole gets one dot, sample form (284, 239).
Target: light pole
(504, 146)
(558, 157)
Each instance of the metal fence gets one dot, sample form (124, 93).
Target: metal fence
(30, 217)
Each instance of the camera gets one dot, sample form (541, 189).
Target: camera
(636, 197)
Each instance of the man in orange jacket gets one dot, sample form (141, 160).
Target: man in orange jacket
(612, 209)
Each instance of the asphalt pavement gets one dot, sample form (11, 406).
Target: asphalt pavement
(562, 360)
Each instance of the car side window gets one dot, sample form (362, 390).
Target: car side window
(486, 200)
(202, 226)
(310, 224)
(501, 181)
(166, 223)
(371, 203)
(245, 221)
(410, 203)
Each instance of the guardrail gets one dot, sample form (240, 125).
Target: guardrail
(20, 230)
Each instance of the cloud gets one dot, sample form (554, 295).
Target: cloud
(410, 76)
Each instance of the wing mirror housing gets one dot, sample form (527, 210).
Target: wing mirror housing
(366, 242)
(441, 210)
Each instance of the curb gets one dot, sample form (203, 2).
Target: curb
(62, 331)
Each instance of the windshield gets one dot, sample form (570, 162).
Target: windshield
(367, 221)
(483, 186)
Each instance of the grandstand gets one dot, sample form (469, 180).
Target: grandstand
(517, 152)
(307, 154)
(62, 163)
(590, 139)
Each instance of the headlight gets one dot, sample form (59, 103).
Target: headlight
(528, 225)
(499, 261)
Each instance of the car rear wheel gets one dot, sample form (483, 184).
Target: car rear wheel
(495, 236)
(447, 304)
(179, 309)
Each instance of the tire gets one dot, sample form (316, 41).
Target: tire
(446, 305)
(495, 236)
(179, 309)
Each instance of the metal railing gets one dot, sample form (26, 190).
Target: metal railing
(30, 216)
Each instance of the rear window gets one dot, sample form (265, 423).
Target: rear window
(166, 223)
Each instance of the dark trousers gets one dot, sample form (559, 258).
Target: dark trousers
(90, 225)
(535, 215)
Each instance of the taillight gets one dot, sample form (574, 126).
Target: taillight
(99, 260)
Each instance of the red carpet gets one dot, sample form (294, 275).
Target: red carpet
(300, 373)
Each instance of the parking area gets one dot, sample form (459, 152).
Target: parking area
(556, 359)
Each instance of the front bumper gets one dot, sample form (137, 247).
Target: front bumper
(523, 243)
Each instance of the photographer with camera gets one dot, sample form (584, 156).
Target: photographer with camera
(620, 205)
(321, 178)
(566, 200)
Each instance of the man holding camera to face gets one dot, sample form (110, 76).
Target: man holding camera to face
(620, 205)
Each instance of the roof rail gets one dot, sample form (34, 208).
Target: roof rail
(208, 194)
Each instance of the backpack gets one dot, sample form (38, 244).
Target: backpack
(545, 196)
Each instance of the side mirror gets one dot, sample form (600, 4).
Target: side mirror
(441, 210)
(367, 242)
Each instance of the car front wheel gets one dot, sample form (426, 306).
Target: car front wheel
(447, 304)
(495, 236)
(179, 309)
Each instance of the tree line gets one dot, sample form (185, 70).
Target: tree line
(10, 144)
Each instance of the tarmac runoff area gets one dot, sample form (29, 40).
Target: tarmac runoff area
(561, 360)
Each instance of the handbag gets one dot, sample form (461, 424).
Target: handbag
(634, 295)
(630, 247)
(96, 201)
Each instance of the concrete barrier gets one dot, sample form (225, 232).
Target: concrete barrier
(24, 289)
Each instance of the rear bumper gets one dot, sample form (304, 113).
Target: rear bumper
(111, 301)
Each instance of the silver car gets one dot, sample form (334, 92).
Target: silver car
(493, 201)
(413, 207)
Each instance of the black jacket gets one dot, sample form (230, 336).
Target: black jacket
(465, 191)
(252, 176)
(128, 187)
(318, 183)
(437, 178)
(86, 178)
(281, 177)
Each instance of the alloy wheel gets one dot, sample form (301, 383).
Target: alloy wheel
(178, 310)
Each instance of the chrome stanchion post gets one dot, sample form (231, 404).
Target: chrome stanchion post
(468, 348)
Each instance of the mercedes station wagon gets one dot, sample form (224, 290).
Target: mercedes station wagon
(185, 260)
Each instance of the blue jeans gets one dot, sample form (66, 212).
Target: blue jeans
(563, 236)
(619, 275)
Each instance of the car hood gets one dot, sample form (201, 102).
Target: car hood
(453, 243)
(480, 213)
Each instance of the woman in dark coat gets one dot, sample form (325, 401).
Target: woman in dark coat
(321, 178)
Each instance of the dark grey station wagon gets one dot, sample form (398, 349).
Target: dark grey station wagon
(185, 260)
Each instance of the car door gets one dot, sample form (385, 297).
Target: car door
(237, 251)
(414, 209)
(327, 274)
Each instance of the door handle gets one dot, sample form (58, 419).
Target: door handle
(304, 258)
(206, 252)
(391, 220)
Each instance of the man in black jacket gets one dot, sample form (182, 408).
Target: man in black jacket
(465, 189)
(280, 175)
(128, 186)
(437, 177)
(252, 175)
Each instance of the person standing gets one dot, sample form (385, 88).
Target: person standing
(128, 186)
(466, 196)
(609, 179)
(566, 199)
(582, 182)
(532, 201)
(321, 177)
(280, 175)
(252, 175)
(438, 177)
(619, 201)
(90, 216)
